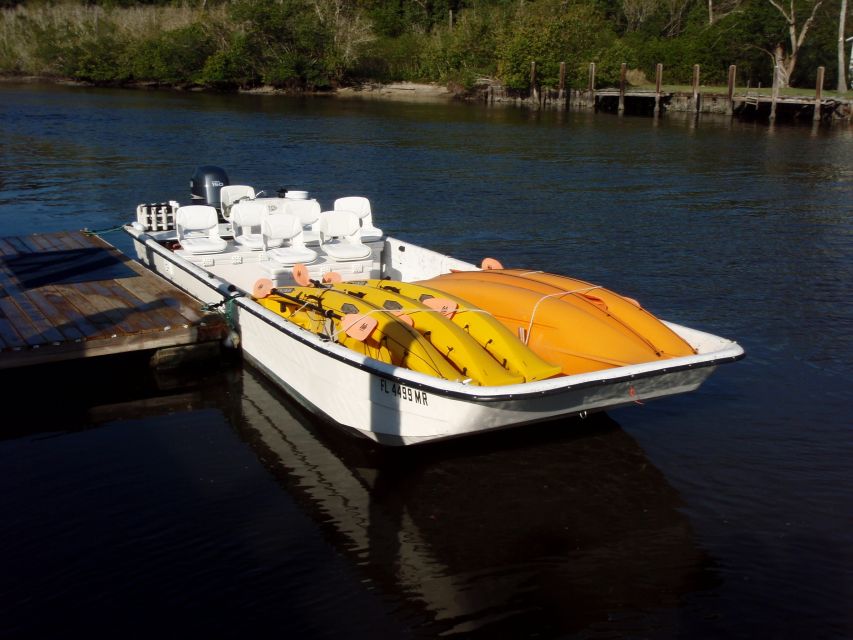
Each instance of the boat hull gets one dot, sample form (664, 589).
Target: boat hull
(389, 411)
(397, 406)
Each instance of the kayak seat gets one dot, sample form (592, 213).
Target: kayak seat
(197, 226)
(361, 207)
(229, 195)
(340, 236)
(283, 242)
(308, 212)
(246, 219)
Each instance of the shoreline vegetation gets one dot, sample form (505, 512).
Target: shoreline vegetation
(414, 50)
(409, 91)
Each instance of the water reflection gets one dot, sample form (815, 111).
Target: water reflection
(532, 532)
(544, 531)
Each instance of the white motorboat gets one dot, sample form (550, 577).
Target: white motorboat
(291, 277)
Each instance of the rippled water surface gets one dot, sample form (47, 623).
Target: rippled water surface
(208, 505)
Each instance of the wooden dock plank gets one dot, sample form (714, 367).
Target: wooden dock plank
(149, 289)
(20, 322)
(6, 249)
(137, 317)
(89, 312)
(107, 308)
(50, 311)
(76, 239)
(19, 245)
(44, 331)
(45, 242)
(180, 309)
(55, 315)
(30, 323)
(26, 317)
(71, 315)
(157, 309)
(30, 244)
(11, 338)
(187, 309)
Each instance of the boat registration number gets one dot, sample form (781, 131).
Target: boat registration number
(401, 391)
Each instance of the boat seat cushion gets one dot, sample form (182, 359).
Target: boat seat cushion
(198, 229)
(286, 230)
(308, 212)
(340, 233)
(345, 251)
(229, 195)
(247, 218)
(360, 206)
(289, 256)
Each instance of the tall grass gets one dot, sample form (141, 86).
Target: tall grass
(65, 39)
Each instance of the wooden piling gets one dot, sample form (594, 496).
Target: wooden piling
(622, 74)
(818, 91)
(696, 87)
(658, 80)
(774, 95)
(730, 95)
(591, 88)
(534, 92)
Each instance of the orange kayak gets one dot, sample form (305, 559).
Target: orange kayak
(617, 309)
(574, 324)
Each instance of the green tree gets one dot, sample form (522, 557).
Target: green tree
(550, 32)
(176, 57)
(466, 51)
(281, 43)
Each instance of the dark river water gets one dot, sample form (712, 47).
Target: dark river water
(205, 504)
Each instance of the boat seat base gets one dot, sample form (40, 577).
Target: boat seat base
(349, 270)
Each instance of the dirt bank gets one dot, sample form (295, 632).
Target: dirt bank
(399, 91)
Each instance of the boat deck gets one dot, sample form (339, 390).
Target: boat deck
(71, 295)
(243, 268)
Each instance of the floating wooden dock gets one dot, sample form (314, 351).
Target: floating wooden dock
(656, 100)
(72, 295)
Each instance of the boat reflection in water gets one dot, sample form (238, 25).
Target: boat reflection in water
(543, 531)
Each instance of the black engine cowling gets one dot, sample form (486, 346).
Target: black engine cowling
(206, 184)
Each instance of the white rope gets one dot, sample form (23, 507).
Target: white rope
(552, 295)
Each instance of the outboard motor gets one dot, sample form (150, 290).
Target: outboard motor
(206, 183)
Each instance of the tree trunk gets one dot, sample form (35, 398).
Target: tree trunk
(797, 36)
(842, 82)
(783, 66)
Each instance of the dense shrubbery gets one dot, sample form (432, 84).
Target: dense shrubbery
(318, 44)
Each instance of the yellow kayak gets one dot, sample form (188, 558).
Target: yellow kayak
(323, 311)
(451, 340)
(613, 308)
(578, 337)
(501, 343)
